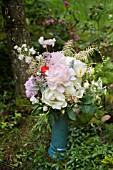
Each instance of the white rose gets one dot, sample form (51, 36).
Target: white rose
(80, 68)
(54, 99)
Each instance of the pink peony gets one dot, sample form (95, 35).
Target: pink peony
(28, 86)
(56, 57)
(59, 74)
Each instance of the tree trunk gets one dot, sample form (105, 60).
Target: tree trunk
(17, 34)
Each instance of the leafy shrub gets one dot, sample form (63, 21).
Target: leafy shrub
(86, 150)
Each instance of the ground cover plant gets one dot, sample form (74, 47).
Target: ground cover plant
(25, 137)
(29, 144)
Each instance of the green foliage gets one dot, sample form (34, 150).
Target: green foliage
(107, 134)
(71, 114)
(108, 160)
(88, 23)
(105, 71)
(27, 147)
(96, 29)
(87, 150)
(10, 121)
(88, 105)
(48, 21)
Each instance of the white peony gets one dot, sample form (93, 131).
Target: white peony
(54, 99)
(75, 89)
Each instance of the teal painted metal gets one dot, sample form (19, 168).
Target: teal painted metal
(58, 143)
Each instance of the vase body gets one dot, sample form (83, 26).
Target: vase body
(59, 136)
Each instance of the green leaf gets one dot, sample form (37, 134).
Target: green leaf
(34, 88)
(71, 115)
(87, 99)
(35, 106)
(88, 108)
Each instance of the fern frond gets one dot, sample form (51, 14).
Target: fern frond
(68, 49)
(85, 54)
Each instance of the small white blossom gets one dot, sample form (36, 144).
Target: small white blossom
(110, 16)
(24, 45)
(20, 56)
(38, 73)
(79, 68)
(15, 47)
(104, 90)
(91, 70)
(28, 59)
(25, 49)
(32, 51)
(45, 108)
(19, 50)
(33, 100)
(86, 85)
(38, 57)
(95, 83)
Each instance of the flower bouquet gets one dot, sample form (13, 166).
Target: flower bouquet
(61, 84)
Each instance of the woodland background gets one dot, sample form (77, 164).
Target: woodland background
(25, 137)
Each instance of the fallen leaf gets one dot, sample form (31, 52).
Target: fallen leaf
(105, 118)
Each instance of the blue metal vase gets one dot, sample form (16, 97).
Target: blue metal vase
(59, 136)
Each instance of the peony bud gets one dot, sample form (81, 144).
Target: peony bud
(45, 108)
(86, 85)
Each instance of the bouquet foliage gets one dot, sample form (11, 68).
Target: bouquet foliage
(61, 82)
